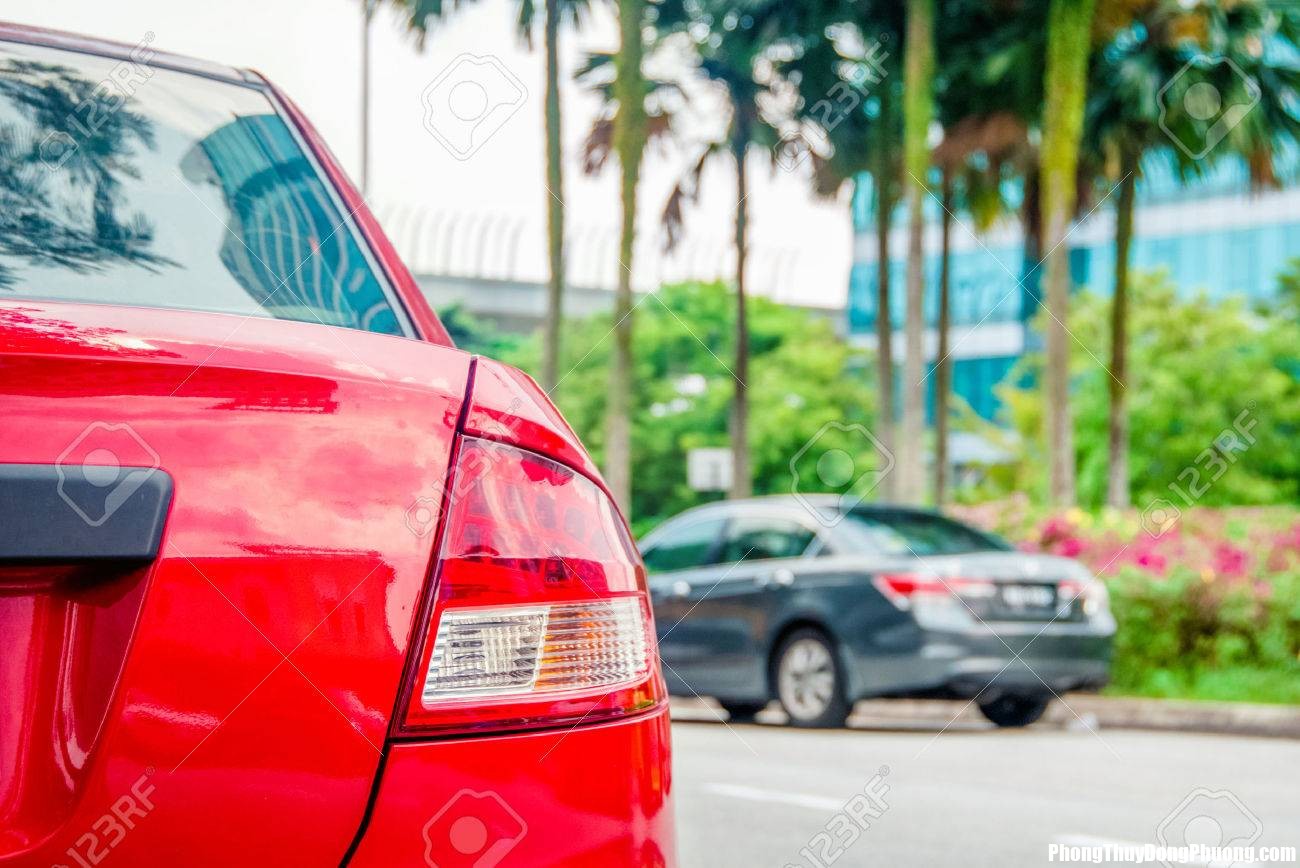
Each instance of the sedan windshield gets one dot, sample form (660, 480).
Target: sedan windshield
(902, 533)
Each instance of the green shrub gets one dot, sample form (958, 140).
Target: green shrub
(1199, 636)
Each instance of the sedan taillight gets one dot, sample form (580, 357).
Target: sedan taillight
(539, 613)
(902, 589)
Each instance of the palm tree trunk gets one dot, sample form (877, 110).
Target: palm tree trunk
(1065, 81)
(918, 108)
(943, 365)
(629, 144)
(554, 202)
(1117, 491)
(1031, 218)
(884, 325)
(741, 485)
(368, 17)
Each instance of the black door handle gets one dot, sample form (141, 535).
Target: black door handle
(52, 513)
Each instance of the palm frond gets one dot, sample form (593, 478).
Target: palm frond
(685, 192)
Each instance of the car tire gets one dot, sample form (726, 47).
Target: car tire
(1011, 711)
(742, 712)
(809, 682)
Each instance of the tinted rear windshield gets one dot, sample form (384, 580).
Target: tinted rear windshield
(902, 533)
(121, 183)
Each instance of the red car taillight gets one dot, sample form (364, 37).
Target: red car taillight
(902, 589)
(539, 614)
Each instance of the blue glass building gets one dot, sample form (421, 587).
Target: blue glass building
(1215, 236)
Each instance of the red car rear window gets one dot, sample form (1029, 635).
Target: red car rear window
(122, 183)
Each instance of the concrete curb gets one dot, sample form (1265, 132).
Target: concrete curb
(1228, 718)
(1075, 711)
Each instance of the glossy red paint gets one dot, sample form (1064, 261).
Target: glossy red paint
(509, 406)
(233, 702)
(593, 796)
(273, 630)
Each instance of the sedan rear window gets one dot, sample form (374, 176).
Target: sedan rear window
(902, 533)
(126, 184)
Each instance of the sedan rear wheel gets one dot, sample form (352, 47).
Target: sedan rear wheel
(1015, 710)
(808, 681)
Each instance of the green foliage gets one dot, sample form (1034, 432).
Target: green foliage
(1286, 303)
(801, 377)
(1196, 367)
(473, 335)
(1189, 636)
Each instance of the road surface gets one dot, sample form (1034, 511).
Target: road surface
(758, 795)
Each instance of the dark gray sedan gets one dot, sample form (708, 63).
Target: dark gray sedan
(816, 605)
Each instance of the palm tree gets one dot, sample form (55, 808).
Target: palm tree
(554, 199)
(862, 141)
(632, 113)
(886, 171)
(983, 111)
(1065, 81)
(943, 364)
(1124, 125)
(420, 16)
(367, 18)
(732, 52)
(918, 111)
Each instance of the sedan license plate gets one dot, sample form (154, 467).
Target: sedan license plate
(1028, 599)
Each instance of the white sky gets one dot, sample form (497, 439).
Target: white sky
(801, 247)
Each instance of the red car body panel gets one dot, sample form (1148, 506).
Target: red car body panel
(274, 627)
(508, 406)
(593, 796)
(233, 701)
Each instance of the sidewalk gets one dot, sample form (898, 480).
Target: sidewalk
(1075, 711)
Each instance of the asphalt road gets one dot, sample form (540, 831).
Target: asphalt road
(758, 795)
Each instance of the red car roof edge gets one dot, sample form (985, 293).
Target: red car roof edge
(11, 32)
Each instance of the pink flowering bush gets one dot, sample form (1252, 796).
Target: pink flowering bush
(1207, 606)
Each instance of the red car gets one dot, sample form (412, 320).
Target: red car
(285, 577)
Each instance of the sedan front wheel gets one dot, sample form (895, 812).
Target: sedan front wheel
(809, 682)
